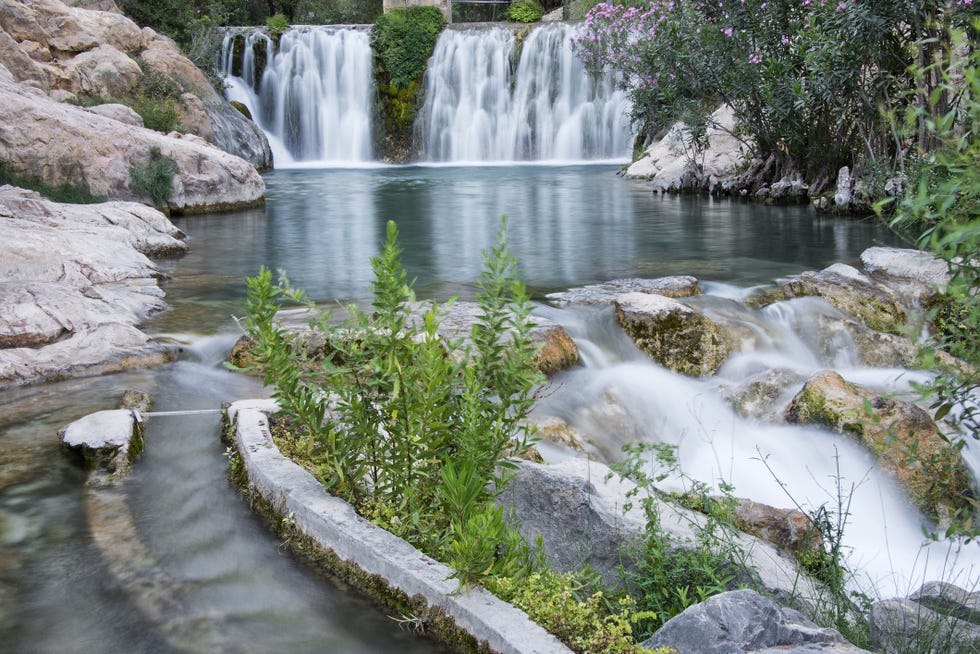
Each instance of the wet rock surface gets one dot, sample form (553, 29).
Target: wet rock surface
(940, 618)
(743, 622)
(75, 283)
(606, 293)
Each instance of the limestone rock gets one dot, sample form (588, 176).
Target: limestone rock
(673, 334)
(19, 63)
(576, 506)
(666, 162)
(743, 621)
(106, 439)
(912, 272)
(788, 529)
(845, 184)
(762, 395)
(102, 71)
(852, 292)
(606, 292)
(61, 143)
(119, 112)
(936, 478)
(940, 618)
(75, 283)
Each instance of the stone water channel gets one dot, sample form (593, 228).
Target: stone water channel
(205, 569)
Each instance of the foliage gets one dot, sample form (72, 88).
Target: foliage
(276, 25)
(806, 80)
(586, 621)
(669, 576)
(67, 192)
(525, 11)
(403, 40)
(154, 180)
(155, 99)
(417, 439)
(327, 12)
(942, 206)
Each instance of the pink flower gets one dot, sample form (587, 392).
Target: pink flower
(727, 31)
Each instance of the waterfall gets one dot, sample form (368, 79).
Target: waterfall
(312, 96)
(479, 106)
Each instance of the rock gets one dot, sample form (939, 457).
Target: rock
(667, 165)
(911, 272)
(673, 334)
(842, 196)
(789, 190)
(762, 395)
(743, 621)
(852, 292)
(108, 440)
(938, 619)
(119, 112)
(560, 432)
(20, 64)
(102, 72)
(75, 283)
(788, 529)
(576, 506)
(607, 292)
(62, 143)
(935, 477)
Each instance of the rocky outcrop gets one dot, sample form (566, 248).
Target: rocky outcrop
(606, 292)
(60, 143)
(915, 274)
(75, 282)
(82, 52)
(577, 508)
(939, 618)
(673, 334)
(899, 434)
(743, 622)
(671, 165)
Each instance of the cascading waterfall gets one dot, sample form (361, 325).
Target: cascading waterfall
(314, 95)
(479, 107)
(620, 396)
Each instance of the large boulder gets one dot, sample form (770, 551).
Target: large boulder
(669, 166)
(578, 508)
(75, 283)
(743, 622)
(902, 436)
(61, 143)
(939, 618)
(673, 334)
(88, 53)
(606, 292)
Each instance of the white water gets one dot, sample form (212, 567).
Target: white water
(619, 396)
(479, 107)
(314, 98)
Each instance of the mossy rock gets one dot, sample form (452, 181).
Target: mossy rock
(242, 109)
(673, 334)
(900, 435)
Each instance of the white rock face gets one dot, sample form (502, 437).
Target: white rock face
(119, 112)
(74, 285)
(666, 163)
(63, 143)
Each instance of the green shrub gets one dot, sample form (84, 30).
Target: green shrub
(403, 40)
(415, 438)
(67, 192)
(525, 11)
(156, 179)
(276, 25)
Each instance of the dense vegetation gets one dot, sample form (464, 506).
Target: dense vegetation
(812, 84)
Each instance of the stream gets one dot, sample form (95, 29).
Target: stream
(216, 578)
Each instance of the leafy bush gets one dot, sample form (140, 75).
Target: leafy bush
(276, 25)
(154, 180)
(414, 437)
(525, 11)
(66, 192)
(403, 40)
(806, 80)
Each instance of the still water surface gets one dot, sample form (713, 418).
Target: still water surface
(224, 577)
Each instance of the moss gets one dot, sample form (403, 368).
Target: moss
(242, 109)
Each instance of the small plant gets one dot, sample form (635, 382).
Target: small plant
(403, 39)
(525, 11)
(276, 25)
(154, 180)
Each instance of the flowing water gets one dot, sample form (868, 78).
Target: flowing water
(489, 98)
(313, 95)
